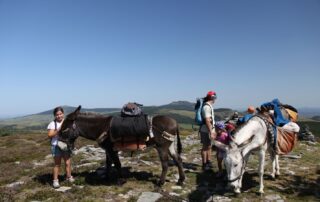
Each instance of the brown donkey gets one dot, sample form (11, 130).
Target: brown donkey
(92, 126)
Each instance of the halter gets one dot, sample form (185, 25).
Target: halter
(77, 131)
(242, 169)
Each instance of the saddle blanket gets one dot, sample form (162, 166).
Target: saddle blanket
(286, 140)
(129, 129)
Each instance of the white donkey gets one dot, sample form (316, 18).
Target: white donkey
(252, 136)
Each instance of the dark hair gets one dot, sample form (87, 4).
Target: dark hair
(57, 109)
(208, 98)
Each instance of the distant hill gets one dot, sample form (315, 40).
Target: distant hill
(69, 109)
(309, 111)
(182, 111)
(316, 118)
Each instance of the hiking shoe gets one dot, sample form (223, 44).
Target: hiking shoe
(55, 184)
(219, 174)
(70, 179)
(205, 167)
(209, 164)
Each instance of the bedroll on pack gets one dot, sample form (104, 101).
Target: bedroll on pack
(198, 108)
(131, 109)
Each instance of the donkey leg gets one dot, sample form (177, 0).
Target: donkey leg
(108, 165)
(262, 155)
(277, 165)
(115, 159)
(176, 157)
(273, 159)
(163, 154)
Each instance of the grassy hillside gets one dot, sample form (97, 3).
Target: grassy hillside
(182, 111)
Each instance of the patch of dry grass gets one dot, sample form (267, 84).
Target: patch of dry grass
(18, 152)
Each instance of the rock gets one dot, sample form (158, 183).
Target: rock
(195, 160)
(304, 168)
(63, 189)
(149, 197)
(217, 198)
(15, 184)
(148, 163)
(86, 165)
(173, 194)
(290, 172)
(183, 157)
(291, 156)
(176, 187)
(273, 197)
(17, 162)
(311, 143)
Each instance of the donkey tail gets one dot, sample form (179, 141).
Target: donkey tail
(179, 145)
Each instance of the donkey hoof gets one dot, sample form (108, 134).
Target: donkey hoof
(180, 182)
(120, 182)
(160, 183)
(237, 191)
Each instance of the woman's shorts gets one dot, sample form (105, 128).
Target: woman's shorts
(205, 139)
(57, 152)
(220, 153)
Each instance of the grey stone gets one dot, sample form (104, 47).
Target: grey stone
(176, 187)
(86, 165)
(217, 198)
(15, 184)
(273, 197)
(173, 194)
(63, 189)
(149, 197)
(290, 172)
(291, 156)
(148, 163)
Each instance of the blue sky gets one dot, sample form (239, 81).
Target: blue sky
(106, 53)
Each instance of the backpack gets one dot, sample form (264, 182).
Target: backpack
(131, 109)
(198, 108)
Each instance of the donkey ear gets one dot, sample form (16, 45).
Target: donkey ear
(220, 145)
(74, 114)
(77, 111)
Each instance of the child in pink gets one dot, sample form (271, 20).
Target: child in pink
(223, 137)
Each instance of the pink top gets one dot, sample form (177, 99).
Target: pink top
(223, 138)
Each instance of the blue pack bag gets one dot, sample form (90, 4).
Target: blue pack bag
(198, 108)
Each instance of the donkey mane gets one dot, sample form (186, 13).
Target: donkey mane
(91, 115)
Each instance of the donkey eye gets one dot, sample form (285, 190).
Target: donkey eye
(235, 165)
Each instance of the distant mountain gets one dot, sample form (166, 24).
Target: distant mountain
(182, 111)
(309, 111)
(316, 118)
(180, 105)
(69, 109)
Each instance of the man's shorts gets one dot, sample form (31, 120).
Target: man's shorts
(205, 139)
(57, 152)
